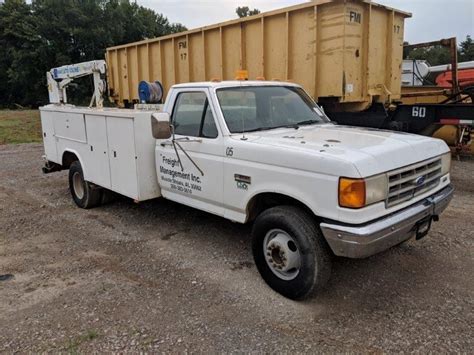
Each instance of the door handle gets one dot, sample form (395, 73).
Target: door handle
(115, 154)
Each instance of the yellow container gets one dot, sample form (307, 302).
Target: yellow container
(345, 52)
(412, 95)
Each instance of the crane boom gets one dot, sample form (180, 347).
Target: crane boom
(59, 78)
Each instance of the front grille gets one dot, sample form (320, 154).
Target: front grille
(411, 181)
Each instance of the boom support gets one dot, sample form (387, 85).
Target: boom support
(59, 78)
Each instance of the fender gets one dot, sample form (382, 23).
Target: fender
(295, 195)
(81, 161)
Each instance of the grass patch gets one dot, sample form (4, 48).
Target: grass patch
(73, 345)
(20, 126)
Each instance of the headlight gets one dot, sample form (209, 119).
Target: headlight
(445, 163)
(358, 193)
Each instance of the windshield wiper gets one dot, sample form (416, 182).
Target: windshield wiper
(258, 129)
(270, 127)
(307, 122)
(298, 124)
(293, 125)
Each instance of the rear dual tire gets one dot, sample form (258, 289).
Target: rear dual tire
(290, 252)
(85, 194)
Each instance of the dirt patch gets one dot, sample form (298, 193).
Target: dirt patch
(159, 276)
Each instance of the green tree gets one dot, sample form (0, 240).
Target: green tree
(466, 50)
(20, 46)
(130, 22)
(43, 34)
(244, 11)
(437, 55)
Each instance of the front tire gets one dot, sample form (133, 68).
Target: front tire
(290, 252)
(85, 194)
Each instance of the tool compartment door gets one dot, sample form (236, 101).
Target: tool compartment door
(70, 126)
(122, 156)
(98, 155)
(49, 140)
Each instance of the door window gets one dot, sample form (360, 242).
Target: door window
(192, 116)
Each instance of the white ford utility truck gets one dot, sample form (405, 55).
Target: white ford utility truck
(262, 153)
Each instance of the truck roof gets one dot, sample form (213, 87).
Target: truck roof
(231, 83)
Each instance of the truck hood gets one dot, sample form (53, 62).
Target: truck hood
(372, 151)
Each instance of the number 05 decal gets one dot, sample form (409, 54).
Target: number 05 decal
(229, 151)
(417, 111)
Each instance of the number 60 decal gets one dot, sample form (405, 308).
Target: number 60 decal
(418, 112)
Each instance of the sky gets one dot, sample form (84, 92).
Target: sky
(432, 19)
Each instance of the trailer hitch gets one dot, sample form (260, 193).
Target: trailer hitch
(50, 167)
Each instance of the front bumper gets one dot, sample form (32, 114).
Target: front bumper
(374, 237)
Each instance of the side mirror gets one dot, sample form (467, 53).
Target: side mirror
(160, 125)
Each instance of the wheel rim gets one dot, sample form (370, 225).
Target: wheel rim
(282, 254)
(78, 185)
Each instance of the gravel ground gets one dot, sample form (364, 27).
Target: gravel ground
(159, 276)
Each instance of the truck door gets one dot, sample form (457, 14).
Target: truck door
(190, 170)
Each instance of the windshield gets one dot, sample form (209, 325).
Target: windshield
(257, 108)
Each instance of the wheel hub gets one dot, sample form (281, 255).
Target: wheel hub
(78, 185)
(282, 254)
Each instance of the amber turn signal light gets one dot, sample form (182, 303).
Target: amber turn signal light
(351, 193)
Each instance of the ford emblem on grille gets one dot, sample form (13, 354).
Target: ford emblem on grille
(419, 181)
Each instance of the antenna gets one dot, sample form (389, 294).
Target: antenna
(242, 111)
(173, 143)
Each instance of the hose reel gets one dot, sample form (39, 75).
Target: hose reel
(150, 92)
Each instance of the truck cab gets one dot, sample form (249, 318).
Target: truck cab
(264, 152)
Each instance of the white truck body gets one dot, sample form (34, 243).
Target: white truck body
(226, 174)
(115, 147)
